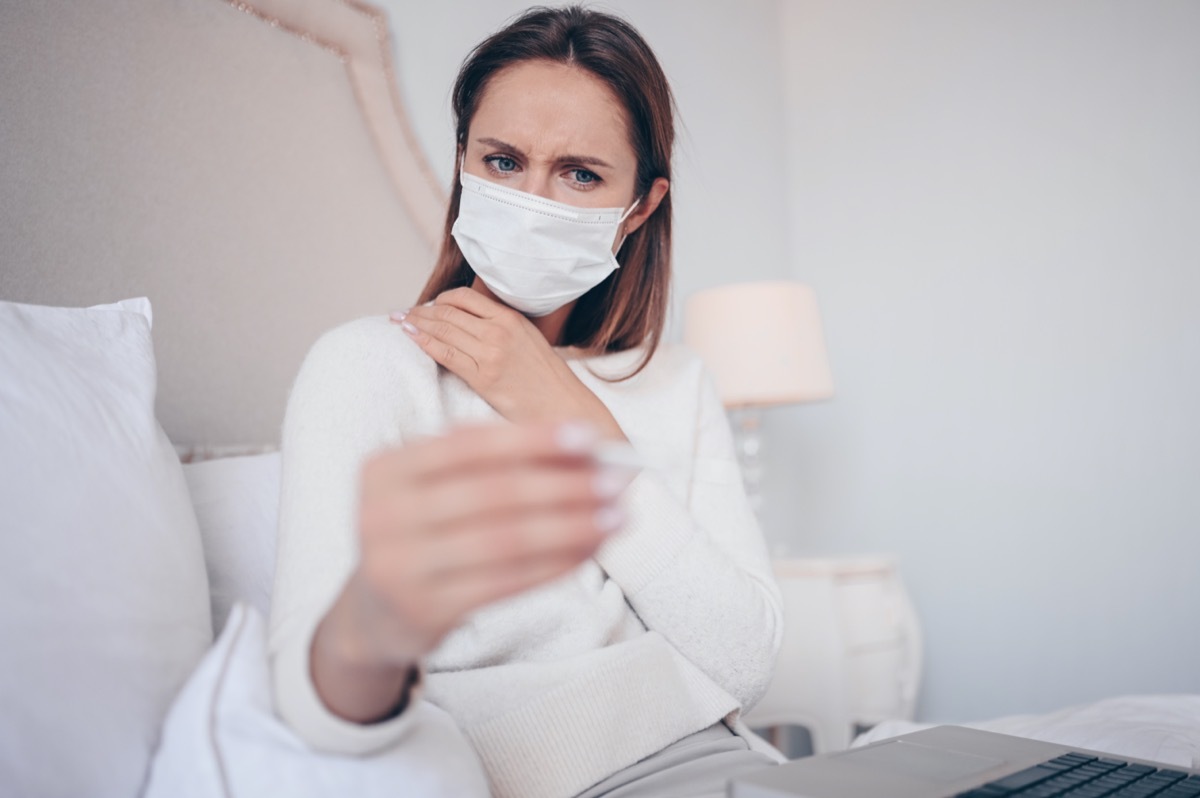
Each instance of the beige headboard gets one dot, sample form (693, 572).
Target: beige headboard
(245, 165)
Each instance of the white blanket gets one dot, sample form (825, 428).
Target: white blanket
(223, 740)
(1161, 728)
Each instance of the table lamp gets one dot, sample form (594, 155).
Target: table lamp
(762, 342)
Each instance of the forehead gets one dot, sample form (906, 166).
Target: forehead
(549, 109)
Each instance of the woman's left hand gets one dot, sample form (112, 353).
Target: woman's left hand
(505, 359)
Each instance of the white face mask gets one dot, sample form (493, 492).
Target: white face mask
(535, 254)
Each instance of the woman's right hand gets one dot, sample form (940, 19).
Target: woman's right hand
(446, 526)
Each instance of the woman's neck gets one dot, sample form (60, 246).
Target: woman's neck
(551, 325)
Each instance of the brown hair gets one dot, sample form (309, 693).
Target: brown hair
(629, 307)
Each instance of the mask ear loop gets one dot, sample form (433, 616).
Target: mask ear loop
(621, 221)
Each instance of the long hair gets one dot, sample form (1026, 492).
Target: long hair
(629, 308)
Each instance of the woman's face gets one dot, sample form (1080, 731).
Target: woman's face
(553, 130)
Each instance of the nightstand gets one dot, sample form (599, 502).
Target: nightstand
(851, 653)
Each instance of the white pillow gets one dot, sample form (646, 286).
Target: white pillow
(237, 505)
(223, 740)
(105, 609)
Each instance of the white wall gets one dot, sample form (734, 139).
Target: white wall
(998, 204)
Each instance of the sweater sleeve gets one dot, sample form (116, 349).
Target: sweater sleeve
(333, 420)
(697, 571)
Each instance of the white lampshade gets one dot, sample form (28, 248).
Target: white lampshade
(761, 341)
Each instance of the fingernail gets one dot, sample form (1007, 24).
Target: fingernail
(620, 456)
(398, 315)
(609, 483)
(609, 519)
(408, 328)
(576, 437)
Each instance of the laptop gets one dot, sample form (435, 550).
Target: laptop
(948, 761)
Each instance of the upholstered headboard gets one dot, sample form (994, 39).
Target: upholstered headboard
(246, 165)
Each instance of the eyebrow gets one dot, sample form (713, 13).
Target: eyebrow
(589, 160)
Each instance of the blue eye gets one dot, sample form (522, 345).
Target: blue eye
(501, 163)
(584, 177)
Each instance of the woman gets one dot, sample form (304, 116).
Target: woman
(448, 529)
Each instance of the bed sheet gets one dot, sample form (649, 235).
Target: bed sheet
(1161, 728)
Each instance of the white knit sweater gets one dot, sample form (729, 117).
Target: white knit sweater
(671, 627)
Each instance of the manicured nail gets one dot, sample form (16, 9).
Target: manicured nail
(620, 456)
(398, 315)
(576, 437)
(609, 519)
(409, 328)
(609, 483)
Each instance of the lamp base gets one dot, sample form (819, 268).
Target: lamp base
(747, 439)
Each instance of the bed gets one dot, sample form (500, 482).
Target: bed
(225, 181)
(190, 193)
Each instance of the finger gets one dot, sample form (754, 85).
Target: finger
(472, 301)
(524, 489)
(508, 541)
(461, 500)
(454, 352)
(486, 586)
(429, 318)
(453, 327)
(408, 576)
(481, 446)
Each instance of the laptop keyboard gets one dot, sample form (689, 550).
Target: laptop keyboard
(1080, 776)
